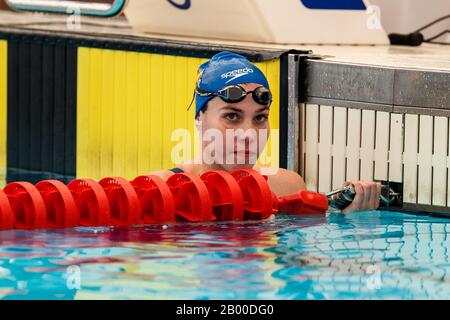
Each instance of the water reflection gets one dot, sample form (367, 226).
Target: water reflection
(362, 255)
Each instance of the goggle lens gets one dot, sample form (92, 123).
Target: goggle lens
(262, 96)
(232, 94)
(235, 93)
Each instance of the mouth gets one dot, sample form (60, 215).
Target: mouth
(244, 153)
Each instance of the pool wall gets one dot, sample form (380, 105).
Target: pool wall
(95, 105)
(103, 106)
(130, 103)
(384, 123)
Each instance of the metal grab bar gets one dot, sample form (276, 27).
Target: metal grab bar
(69, 7)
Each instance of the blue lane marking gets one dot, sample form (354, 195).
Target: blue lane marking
(184, 6)
(334, 4)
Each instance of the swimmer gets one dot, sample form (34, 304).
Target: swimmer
(233, 95)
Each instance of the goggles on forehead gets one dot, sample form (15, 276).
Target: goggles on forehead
(236, 93)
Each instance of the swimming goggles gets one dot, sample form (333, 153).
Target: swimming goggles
(236, 93)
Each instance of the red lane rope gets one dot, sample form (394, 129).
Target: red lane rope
(27, 205)
(155, 198)
(258, 203)
(62, 211)
(115, 201)
(225, 194)
(303, 202)
(92, 202)
(123, 201)
(6, 213)
(192, 201)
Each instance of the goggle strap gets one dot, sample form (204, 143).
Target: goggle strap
(190, 104)
(202, 93)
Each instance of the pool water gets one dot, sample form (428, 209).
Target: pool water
(362, 255)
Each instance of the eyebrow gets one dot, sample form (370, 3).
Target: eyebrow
(240, 111)
(231, 108)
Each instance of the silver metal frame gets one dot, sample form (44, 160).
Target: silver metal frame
(377, 86)
(292, 113)
(396, 91)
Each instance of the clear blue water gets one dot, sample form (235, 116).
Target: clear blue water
(364, 255)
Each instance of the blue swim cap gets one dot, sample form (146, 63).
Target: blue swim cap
(223, 69)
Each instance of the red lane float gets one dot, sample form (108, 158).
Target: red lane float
(91, 201)
(27, 205)
(61, 209)
(123, 201)
(225, 194)
(155, 198)
(302, 202)
(215, 196)
(192, 201)
(255, 187)
(258, 203)
(6, 213)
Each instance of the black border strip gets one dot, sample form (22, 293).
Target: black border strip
(425, 209)
(41, 107)
(284, 101)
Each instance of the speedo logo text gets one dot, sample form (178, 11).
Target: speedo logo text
(236, 74)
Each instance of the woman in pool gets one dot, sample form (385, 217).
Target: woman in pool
(233, 96)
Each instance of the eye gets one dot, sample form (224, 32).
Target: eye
(232, 116)
(261, 118)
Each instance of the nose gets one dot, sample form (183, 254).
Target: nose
(247, 133)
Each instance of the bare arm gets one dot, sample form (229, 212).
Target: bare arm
(286, 182)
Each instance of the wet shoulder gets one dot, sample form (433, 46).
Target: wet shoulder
(284, 181)
(165, 174)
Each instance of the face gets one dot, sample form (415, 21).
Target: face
(234, 133)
